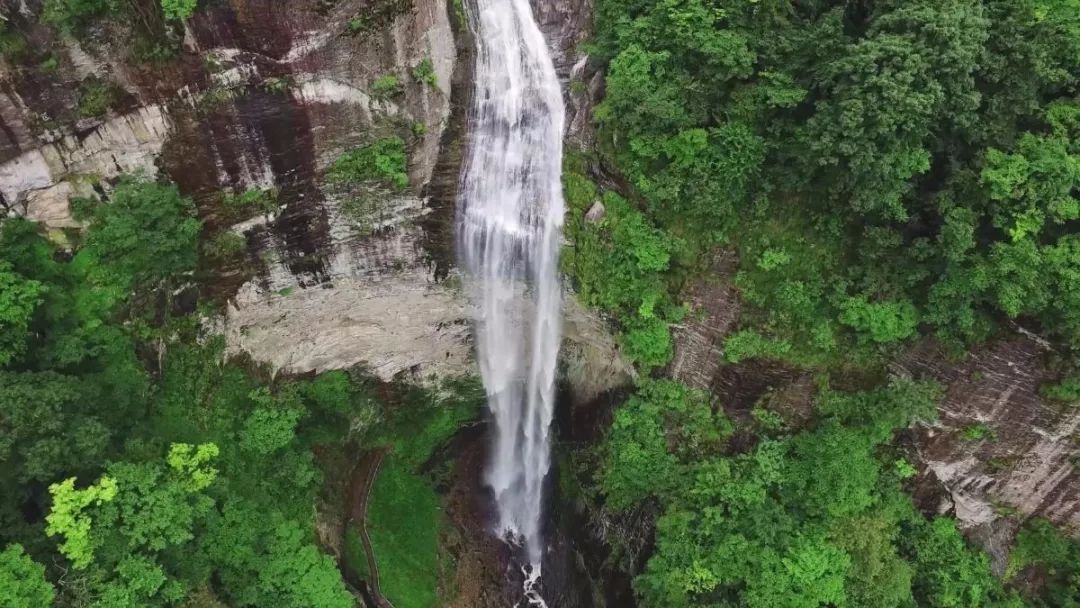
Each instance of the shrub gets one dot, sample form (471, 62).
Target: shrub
(387, 85)
(96, 97)
(225, 246)
(382, 163)
(178, 9)
(978, 432)
(12, 44)
(881, 322)
(749, 344)
(49, 65)
(251, 200)
(22, 580)
(70, 15)
(647, 342)
(1067, 390)
(424, 72)
(277, 86)
(146, 233)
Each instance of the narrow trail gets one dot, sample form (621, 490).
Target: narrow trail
(363, 479)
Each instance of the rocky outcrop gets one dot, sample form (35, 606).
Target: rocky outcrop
(39, 182)
(699, 339)
(999, 449)
(402, 324)
(566, 25)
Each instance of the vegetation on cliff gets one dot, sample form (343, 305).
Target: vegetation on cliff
(885, 172)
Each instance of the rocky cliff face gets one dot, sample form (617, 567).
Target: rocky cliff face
(265, 95)
(1000, 452)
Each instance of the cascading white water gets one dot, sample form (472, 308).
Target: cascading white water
(509, 222)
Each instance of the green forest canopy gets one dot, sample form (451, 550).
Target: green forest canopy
(141, 467)
(883, 169)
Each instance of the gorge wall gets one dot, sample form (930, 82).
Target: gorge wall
(265, 95)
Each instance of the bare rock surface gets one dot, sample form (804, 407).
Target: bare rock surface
(401, 324)
(699, 339)
(39, 183)
(567, 24)
(1000, 448)
(591, 361)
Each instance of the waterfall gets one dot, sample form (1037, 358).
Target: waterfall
(509, 220)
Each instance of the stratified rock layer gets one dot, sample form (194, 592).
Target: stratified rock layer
(999, 447)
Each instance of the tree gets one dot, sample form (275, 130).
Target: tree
(22, 580)
(639, 461)
(145, 234)
(805, 520)
(281, 567)
(880, 101)
(66, 518)
(126, 530)
(948, 575)
(18, 299)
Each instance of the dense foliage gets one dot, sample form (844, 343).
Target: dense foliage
(618, 263)
(882, 169)
(815, 517)
(382, 162)
(139, 466)
(405, 516)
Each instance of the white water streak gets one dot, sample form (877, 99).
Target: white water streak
(510, 216)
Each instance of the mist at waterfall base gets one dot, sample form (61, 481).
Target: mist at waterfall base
(509, 222)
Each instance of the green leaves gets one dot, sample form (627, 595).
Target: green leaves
(296, 574)
(67, 518)
(806, 520)
(870, 165)
(172, 458)
(178, 9)
(948, 575)
(22, 580)
(1044, 550)
(882, 322)
(382, 162)
(664, 425)
(1032, 186)
(47, 433)
(269, 429)
(19, 298)
(145, 234)
(618, 264)
(192, 464)
(72, 14)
